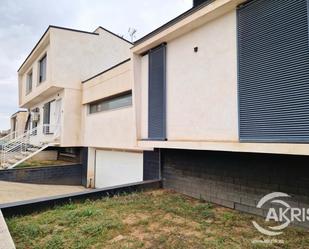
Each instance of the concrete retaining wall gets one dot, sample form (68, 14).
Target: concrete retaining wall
(55, 175)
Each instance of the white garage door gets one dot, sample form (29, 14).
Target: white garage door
(116, 168)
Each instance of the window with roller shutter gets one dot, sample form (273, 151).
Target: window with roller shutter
(273, 77)
(157, 93)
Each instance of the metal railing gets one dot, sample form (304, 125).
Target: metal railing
(16, 146)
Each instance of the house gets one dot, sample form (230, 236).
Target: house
(78, 88)
(214, 103)
(50, 87)
(18, 122)
(221, 94)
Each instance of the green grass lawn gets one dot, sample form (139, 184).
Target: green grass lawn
(154, 219)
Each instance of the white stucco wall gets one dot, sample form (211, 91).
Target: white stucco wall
(202, 86)
(71, 119)
(110, 129)
(78, 56)
(116, 128)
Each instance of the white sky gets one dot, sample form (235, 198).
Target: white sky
(23, 22)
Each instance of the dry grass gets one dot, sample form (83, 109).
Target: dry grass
(156, 219)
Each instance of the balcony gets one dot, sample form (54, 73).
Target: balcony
(38, 94)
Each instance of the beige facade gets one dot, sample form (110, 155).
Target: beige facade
(201, 86)
(72, 56)
(113, 129)
(110, 135)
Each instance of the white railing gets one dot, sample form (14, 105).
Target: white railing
(17, 146)
(20, 147)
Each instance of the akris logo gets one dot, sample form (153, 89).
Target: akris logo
(283, 213)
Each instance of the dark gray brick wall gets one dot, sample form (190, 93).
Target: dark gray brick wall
(236, 180)
(55, 175)
(151, 161)
(84, 160)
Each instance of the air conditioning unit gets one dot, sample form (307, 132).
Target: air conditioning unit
(35, 116)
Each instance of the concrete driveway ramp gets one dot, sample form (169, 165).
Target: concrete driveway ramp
(14, 192)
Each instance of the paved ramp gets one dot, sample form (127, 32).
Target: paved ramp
(13, 192)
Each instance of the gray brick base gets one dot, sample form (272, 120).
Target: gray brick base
(55, 175)
(236, 180)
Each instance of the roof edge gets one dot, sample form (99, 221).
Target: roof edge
(19, 111)
(112, 33)
(46, 31)
(74, 30)
(172, 22)
(106, 70)
(36, 45)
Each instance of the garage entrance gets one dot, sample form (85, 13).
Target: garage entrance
(116, 168)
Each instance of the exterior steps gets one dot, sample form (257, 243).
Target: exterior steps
(17, 149)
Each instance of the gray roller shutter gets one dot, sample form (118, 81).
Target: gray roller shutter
(156, 98)
(273, 79)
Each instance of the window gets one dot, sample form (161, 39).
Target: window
(42, 69)
(46, 118)
(273, 89)
(115, 102)
(52, 117)
(35, 116)
(29, 82)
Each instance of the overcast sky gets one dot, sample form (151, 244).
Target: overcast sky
(22, 23)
